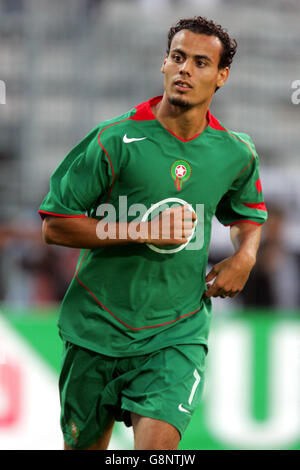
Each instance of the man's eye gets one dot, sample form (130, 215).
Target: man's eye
(177, 58)
(200, 63)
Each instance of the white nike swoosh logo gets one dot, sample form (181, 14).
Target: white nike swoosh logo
(126, 140)
(180, 407)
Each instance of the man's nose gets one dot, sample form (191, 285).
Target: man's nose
(186, 67)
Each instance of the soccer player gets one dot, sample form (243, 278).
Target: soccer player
(136, 316)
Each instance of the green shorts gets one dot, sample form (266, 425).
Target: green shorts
(97, 389)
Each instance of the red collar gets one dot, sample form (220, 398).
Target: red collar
(144, 113)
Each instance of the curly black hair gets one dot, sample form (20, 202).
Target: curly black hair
(201, 25)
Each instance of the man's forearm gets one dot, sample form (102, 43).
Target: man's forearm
(89, 233)
(172, 227)
(245, 238)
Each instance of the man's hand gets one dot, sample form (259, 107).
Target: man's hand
(230, 276)
(171, 227)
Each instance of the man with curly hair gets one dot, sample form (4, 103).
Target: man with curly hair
(135, 319)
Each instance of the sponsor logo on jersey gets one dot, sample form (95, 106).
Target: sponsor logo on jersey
(180, 172)
(128, 140)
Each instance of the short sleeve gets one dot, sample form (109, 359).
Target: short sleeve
(81, 179)
(244, 202)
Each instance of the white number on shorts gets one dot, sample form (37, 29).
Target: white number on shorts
(194, 388)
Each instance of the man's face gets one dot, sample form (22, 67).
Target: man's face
(191, 72)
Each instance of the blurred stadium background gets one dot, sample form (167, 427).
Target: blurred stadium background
(67, 65)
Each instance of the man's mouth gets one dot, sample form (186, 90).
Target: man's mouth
(182, 85)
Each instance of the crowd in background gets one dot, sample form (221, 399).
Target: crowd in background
(32, 273)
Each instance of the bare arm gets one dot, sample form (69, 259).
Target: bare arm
(78, 232)
(86, 232)
(245, 239)
(232, 273)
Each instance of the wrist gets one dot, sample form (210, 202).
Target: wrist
(247, 257)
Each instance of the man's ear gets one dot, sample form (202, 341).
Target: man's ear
(163, 64)
(222, 77)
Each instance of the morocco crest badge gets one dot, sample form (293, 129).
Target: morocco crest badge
(180, 172)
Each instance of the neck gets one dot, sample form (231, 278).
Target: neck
(185, 123)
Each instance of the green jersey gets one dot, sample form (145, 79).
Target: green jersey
(132, 299)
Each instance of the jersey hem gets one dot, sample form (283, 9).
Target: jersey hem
(87, 345)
